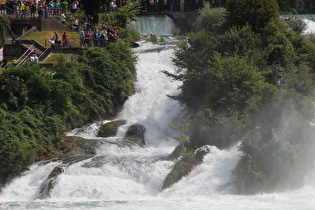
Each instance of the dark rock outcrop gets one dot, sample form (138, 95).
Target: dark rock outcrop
(110, 129)
(185, 165)
(73, 145)
(3, 179)
(135, 133)
(47, 186)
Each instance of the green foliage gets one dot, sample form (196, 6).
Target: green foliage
(5, 28)
(26, 135)
(275, 147)
(152, 38)
(175, 31)
(181, 168)
(162, 39)
(114, 70)
(64, 6)
(38, 105)
(92, 8)
(182, 128)
(229, 87)
(129, 35)
(233, 83)
(122, 16)
(257, 13)
(210, 18)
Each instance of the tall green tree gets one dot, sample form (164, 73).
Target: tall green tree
(257, 13)
(5, 28)
(92, 8)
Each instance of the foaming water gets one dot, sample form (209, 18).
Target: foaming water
(150, 105)
(310, 26)
(156, 24)
(126, 176)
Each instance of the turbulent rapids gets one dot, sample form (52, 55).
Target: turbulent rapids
(123, 175)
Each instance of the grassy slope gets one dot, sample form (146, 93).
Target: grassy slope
(42, 36)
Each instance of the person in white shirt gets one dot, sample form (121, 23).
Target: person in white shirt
(63, 18)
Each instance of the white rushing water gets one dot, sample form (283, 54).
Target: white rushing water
(132, 177)
(156, 24)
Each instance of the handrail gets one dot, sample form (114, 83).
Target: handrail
(29, 49)
(24, 57)
(8, 8)
(44, 54)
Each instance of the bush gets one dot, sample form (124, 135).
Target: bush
(153, 38)
(275, 148)
(210, 18)
(38, 105)
(258, 13)
(64, 6)
(129, 35)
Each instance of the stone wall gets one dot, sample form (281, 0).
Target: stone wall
(21, 26)
(52, 25)
(13, 50)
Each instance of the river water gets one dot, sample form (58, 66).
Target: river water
(131, 177)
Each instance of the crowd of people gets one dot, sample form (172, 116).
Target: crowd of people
(45, 8)
(36, 8)
(89, 37)
(97, 38)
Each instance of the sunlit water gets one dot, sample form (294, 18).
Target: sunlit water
(132, 177)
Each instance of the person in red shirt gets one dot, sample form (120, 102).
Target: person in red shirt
(65, 40)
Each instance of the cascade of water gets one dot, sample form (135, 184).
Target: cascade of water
(156, 24)
(131, 177)
(118, 172)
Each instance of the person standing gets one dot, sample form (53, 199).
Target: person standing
(82, 37)
(33, 9)
(74, 5)
(63, 18)
(22, 9)
(56, 38)
(64, 38)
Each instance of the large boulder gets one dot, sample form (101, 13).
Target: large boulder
(110, 129)
(189, 160)
(48, 184)
(73, 145)
(135, 133)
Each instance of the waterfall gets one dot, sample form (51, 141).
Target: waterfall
(131, 177)
(156, 24)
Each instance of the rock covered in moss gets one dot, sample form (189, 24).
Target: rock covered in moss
(110, 129)
(184, 166)
(73, 145)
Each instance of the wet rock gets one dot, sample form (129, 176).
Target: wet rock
(3, 179)
(110, 129)
(135, 133)
(47, 186)
(185, 165)
(73, 145)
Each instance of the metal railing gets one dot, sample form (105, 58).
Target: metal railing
(24, 57)
(44, 55)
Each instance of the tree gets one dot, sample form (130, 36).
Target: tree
(124, 15)
(5, 28)
(257, 13)
(91, 8)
